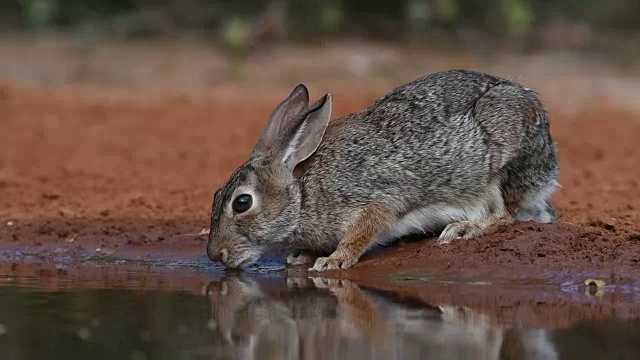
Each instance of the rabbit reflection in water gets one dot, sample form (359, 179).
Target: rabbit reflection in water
(332, 319)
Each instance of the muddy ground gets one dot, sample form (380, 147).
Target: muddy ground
(125, 172)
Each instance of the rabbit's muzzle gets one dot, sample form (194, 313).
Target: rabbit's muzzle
(232, 254)
(217, 247)
(218, 255)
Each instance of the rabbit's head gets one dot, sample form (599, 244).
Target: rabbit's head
(260, 203)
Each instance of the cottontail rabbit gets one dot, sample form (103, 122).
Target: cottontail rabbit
(455, 152)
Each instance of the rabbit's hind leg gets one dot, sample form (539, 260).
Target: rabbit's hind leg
(493, 216)
(471, 229)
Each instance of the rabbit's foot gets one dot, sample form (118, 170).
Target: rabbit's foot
(460, 230)
(300, 258)
(471, 229)
(333, 262)
(358, 238)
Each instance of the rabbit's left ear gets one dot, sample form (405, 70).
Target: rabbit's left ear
(283, 120)
(306, 138)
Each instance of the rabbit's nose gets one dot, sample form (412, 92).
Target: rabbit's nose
(218, 255)
(224, 255)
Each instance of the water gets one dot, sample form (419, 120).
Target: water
(276, 318)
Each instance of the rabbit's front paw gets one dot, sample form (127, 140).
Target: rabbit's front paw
(300, 258)
(458, 230)
(333, 263)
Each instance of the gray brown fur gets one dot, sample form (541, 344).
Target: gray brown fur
(452, 152)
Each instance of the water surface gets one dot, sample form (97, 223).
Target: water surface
(272, 317)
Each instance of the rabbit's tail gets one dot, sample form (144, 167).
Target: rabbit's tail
(529, 188)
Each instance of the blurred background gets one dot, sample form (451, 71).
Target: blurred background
(191, 44)
(533, 24)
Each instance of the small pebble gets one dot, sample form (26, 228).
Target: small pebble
(3, 329)
(11, 223)
(211, 324)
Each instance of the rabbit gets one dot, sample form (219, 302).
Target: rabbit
(458, 153)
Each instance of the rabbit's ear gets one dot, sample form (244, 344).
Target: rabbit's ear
(283, 120)
(307, 137)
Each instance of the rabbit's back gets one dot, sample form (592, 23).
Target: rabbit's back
(440, 138)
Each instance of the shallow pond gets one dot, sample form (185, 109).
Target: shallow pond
(271, 317)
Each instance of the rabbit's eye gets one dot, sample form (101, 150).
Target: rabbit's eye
(242, 203)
